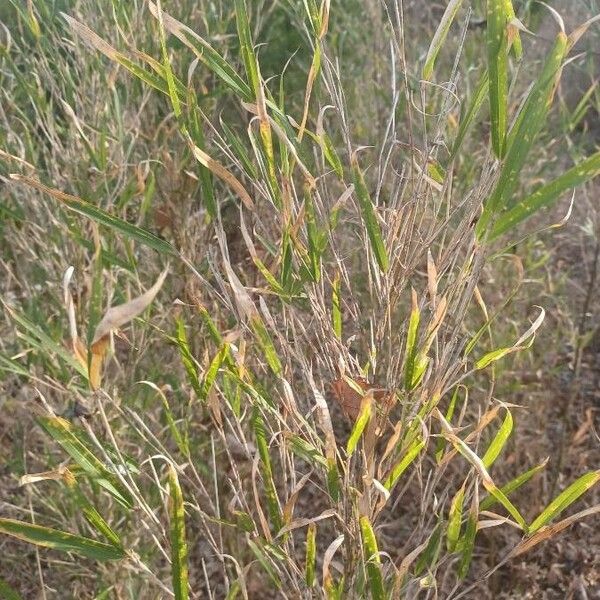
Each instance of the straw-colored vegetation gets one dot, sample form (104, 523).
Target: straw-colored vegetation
(262, 276)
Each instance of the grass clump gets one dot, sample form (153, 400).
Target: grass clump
(303, 404)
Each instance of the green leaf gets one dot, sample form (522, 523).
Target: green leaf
(314, 250)
(175, 103)
(44, 342)
(586, 102)
(441, 443)
(258, 426)
(7, 592)
(310, 561)
(431, 553)
(63, 433)
(95, 301)
(439, 37)
(206, 53)
(361, 422)
(239, 150)
(331, 155)
(246, 45)
(533, 114)
(493, 356)
(179, 431)
(565, 499)
(286, 254)
(100, 216)
(477, 463)
(467, 541)
(105, 593)
(244, 521)
(523, 133)
(94, 40)
(506, 503)
(333, 480)
(410, 354)
(369, 218)
(517, 47)
(263, 560)
(497, 50)
(523, 343)
(212, 371)
(12, 366)
(499, 440)
(197, 136)
(373, 559)
(254, 78)
(179, 550)
(405, 462)
(305, 450)
(266, 344)
(271, 280)
(547, 194)
(455, 519)
(314, 15)
(213, 331)
(60, 540)
(512, 485)
(93, 517)
(187, 359)
(234, 590)
(435, 171)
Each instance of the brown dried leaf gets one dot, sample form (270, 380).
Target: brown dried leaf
(224, 175)
(117, 316)
(77, 346)
(327, 558)
(96, 361)
(350, 399)
(432, 277)
(90, 38)
(288, 509)
(242, 299)
(324, 420)
(61, 473)
(550, 531)
(304, 521)
(581, 433)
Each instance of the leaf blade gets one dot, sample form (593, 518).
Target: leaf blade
(547, 194)
(369, 218)
(60, 540)
(100, 216)
(565, 499)
(179, 550)
(439, 37)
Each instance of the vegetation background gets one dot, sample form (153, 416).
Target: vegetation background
(329, 375)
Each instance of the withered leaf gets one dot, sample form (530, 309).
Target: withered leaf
(116, 316)
(350, 399)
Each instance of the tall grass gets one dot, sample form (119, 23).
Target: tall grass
(303, 404)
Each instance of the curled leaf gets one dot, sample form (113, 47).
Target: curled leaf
(117, 316)
(114, 318)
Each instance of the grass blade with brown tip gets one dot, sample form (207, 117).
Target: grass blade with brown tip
(100, 216)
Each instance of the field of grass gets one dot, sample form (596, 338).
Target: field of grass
(299, 299)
